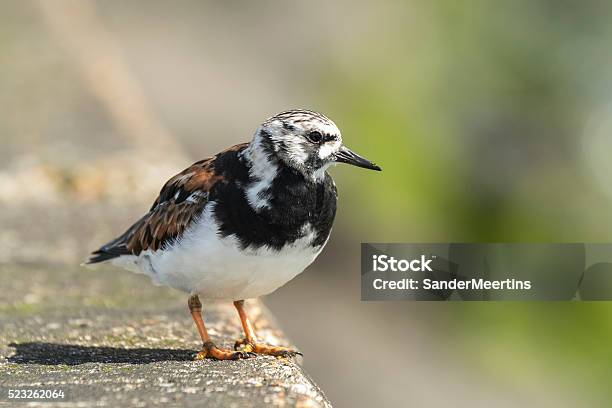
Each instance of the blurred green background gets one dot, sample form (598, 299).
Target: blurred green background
(491, 119)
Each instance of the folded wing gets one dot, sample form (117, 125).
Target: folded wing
(180, 202)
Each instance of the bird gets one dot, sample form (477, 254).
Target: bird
(242, 223)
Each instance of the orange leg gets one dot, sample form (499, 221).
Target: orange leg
(209, 350)
(251, 344)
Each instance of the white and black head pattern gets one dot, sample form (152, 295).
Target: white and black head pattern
(305, 140)
(301, 141)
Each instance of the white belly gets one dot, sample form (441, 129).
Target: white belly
(203, 263)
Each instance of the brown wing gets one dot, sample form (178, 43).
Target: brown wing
(180, 201)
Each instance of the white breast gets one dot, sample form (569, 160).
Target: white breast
(203, 263)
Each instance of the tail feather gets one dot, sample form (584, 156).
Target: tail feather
(99, 256)
(114, 248)
(106, 253)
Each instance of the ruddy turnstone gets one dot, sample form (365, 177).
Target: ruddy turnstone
(243, 223)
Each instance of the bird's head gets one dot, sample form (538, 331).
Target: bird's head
(307, 141)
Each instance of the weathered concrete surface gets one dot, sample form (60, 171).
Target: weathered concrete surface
(111, 339)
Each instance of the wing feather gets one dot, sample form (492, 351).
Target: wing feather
(181, 200)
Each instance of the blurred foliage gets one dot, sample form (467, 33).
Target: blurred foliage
(476, 111)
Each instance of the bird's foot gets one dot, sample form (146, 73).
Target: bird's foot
(259, 348)
(209, 350)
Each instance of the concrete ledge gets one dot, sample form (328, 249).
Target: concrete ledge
(144, 357)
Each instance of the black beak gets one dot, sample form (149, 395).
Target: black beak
(345, 155)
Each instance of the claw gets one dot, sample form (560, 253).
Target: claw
(257, 348)
(241, 342)
(285, 353)
(210, 350)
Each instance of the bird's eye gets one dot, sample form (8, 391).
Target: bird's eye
(315, 137)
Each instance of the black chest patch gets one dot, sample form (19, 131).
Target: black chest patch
(293, 202)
